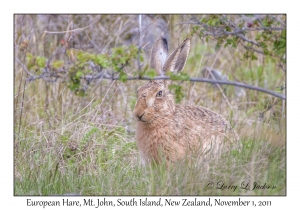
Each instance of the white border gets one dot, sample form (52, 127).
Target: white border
(154, 6)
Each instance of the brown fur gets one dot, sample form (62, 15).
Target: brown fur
(173, 131)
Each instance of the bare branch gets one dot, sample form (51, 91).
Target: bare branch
(251, 48)
(264, 29)
(67, 31)
(238, 84)
(24, 67)
(246, 39)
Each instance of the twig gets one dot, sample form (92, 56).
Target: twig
(261, 115)
(22, 107)
(238, 84)
(281, 66)
(67, 31)
(140, 41)
(24, 67)
(233, 33)
(253, 49)
(241, 36)
(264, 29)
(218, 86)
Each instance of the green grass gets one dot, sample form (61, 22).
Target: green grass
(106, 162)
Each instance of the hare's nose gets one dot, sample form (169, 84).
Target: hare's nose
(140, 116)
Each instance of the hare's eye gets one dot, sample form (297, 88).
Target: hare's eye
(159, 94)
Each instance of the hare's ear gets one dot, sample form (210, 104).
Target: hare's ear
(177, 59)
(159, 55)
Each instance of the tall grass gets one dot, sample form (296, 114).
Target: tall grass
(105, 161)
(85, 145)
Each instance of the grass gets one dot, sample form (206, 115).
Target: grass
(88, 159)
(108, 164)
(65, 144)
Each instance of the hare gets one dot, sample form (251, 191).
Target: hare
(167, 130)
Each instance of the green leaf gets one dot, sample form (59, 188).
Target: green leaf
(173, 76)
(79, 74)
(180, 76)
(280, 44)
(184, 76)
(218, 46)
(283, 34)
(57, 64)
(253, 56)
(80, 56)
(151, 73)
(266, 51)
(41, 61)
(123, 76)
(118, 51)
(85, 56)
(74, 85)
(133, 51)
(195, 28)
(177, 91)
(30, 61)
(29, 57)
(227, 28)
(262, 44)
(123, 60)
